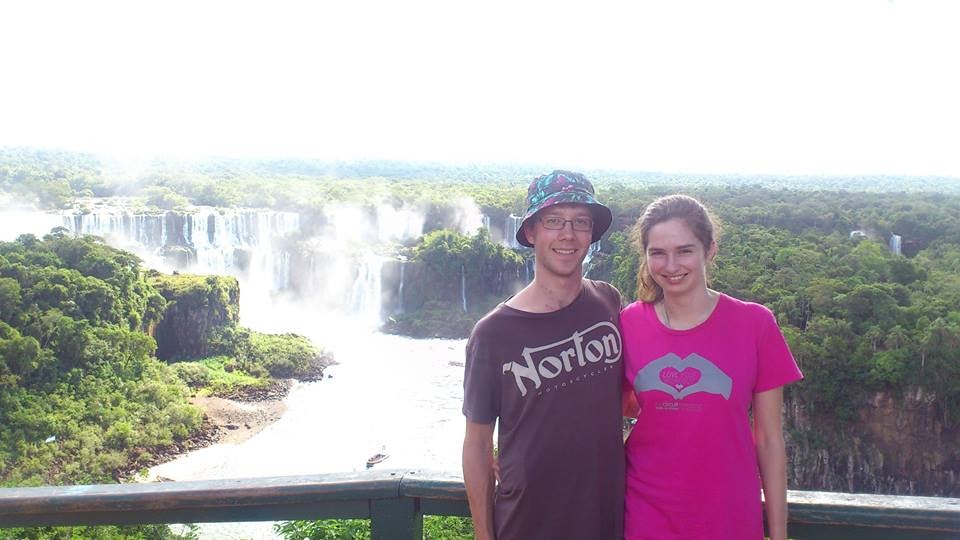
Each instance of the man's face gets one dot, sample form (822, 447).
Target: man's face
(560, 252)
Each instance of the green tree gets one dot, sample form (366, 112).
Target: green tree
(9, 299)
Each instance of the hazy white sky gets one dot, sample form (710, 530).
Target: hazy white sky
(842, 87)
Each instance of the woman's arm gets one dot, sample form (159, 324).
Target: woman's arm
(772, 458)
(478, 471)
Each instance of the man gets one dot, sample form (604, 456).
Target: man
(546, 365)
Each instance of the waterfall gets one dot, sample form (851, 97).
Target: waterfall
(365, 295)
(397, 225)
(214, 238)
(588, 260)
(334, 271)
(896, 242)
(282, 272)
(163, 229)
(468, 218)
(463, 287)
(510, 229)
(400, 289)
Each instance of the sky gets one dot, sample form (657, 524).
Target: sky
(815, 87)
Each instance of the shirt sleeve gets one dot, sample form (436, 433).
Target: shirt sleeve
(481, 389)
(615, 292)
(627, 323)
(776, 365)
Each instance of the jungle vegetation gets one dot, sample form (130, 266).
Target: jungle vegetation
(859, 317)
(814, 249)
(83, 397)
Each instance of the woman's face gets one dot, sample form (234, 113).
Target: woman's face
(676, 259)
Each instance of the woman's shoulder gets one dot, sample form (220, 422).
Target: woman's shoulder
(635, 310)
(744, 308)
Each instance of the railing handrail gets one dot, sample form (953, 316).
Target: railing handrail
(392, 499)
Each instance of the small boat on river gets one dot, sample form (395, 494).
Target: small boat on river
(377, 458)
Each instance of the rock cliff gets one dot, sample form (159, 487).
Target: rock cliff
(904, 444)
(197, 306)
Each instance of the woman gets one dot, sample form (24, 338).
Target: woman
(697, 361)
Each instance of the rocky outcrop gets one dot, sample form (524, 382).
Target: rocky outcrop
(905, 445)
(197, 307)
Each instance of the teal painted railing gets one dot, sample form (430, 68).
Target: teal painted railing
(396, 501)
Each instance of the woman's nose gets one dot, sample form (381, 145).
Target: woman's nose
(671, 261)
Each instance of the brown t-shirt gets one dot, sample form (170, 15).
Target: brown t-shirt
(553, 381)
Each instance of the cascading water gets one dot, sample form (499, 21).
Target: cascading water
(467, 219)
(510, 229)
(307, 285)
(397, 225)
(239, 242)
(400, 288)
(588, 260)
(365, 296)
(896, 244)
(463, 287)
(163, 229)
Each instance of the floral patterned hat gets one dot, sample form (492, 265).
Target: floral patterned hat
(564, 187)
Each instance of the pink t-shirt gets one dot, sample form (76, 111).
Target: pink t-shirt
(692, 468)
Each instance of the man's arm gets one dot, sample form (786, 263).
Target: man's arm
(478, 477)
(772, 458)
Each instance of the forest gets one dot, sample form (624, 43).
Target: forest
(86, 396)
(866, 322)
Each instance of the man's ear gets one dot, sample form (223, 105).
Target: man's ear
(528, 232)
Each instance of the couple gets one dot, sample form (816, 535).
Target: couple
(549, 365)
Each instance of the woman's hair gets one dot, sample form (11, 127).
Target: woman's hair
(701, 221)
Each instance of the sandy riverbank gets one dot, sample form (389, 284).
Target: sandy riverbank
(225, 421)
(237, 421)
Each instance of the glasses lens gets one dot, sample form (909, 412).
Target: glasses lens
(557, 223)
(583, 224)
(551, 222)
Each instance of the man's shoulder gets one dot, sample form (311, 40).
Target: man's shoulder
(493, 321)
(603, 286)
(603, 290)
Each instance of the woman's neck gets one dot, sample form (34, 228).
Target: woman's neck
(687, 311)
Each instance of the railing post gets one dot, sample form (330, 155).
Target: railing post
(396, 518)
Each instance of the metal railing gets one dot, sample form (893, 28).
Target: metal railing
(396, 500)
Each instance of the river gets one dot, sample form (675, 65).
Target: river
(388, 392)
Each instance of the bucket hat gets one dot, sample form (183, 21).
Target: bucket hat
(561, 187)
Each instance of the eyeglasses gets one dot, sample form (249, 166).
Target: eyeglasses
(556, 223)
